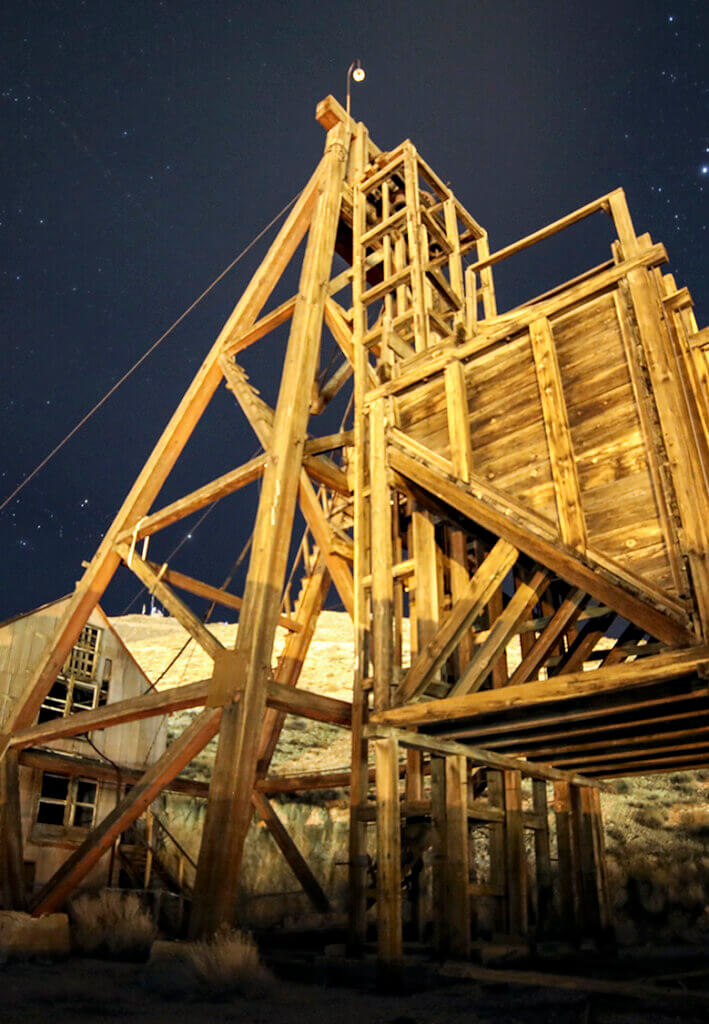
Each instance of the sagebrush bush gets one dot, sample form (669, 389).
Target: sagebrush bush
(112, 923)
(226, 965)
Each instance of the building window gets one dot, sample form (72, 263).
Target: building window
(67, 801)
(78, 687)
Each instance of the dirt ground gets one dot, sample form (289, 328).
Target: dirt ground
(95, 991)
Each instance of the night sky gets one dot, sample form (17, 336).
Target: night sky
(144, 144)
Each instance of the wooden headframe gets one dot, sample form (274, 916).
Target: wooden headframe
(533, 479)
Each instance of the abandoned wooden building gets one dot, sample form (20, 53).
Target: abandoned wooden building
(536, 475)
(65, 790)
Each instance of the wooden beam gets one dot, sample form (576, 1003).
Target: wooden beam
(229, 806)
(670, 665)
(572, 524)
(389, 939)
(382, 559)
(433, 656)
(515, 859)
(565, 615)
(193, 502)
(503, 628)
(498, 514)
(12, 877)
(180, 752)
(457, 854)
(290, 851)
(215, 594)
(485, 758)
(153, 580)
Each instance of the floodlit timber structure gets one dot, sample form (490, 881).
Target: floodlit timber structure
(540, 473)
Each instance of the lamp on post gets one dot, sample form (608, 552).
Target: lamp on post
(356, 72)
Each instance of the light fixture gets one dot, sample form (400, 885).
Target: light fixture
(356, 72)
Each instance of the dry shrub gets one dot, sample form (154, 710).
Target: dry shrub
(229, 963)
(651, 817)
(113, 924)
(226, 965)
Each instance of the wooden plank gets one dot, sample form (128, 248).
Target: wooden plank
(485, 758)
(389, 937)
(496, 832)
(566, 614)
(439, 648)
(164, 455)
(457, 871)
(290, 851)
(498, 515)
(670, 665)
(181, 751)
(504, 627)
(572, 524)
(459, 580)
(458, 420)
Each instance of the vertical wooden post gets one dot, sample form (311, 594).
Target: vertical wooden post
(426, 559)
(359, 772)
(515, 858)
(582, 810)
(458, 420)
(460, 577)
(440, 850)
(542, 857)
(606, 912)
(382, 551)
(564, 845)
(12, 887)
(229, 807)
(388, 861)
(457, 869)
(498, 873)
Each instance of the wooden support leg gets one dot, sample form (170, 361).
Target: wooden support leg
(440, 851)
(12, 889)
(388, 861)
(229, 807)
(291, 852)
(498, 874)
(515, 858)
(457, 870)
(562, 813)
(588, 868)
(414, 791)
(542, 857)
(606, 912)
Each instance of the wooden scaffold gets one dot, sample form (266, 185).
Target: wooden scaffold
(535, 478)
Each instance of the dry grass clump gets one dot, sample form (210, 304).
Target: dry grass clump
(112, 923)
(225, 965)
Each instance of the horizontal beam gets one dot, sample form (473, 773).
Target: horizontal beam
(670, 665)
(478, 755)
(293, 701)
(232, 481)
(215, 594)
